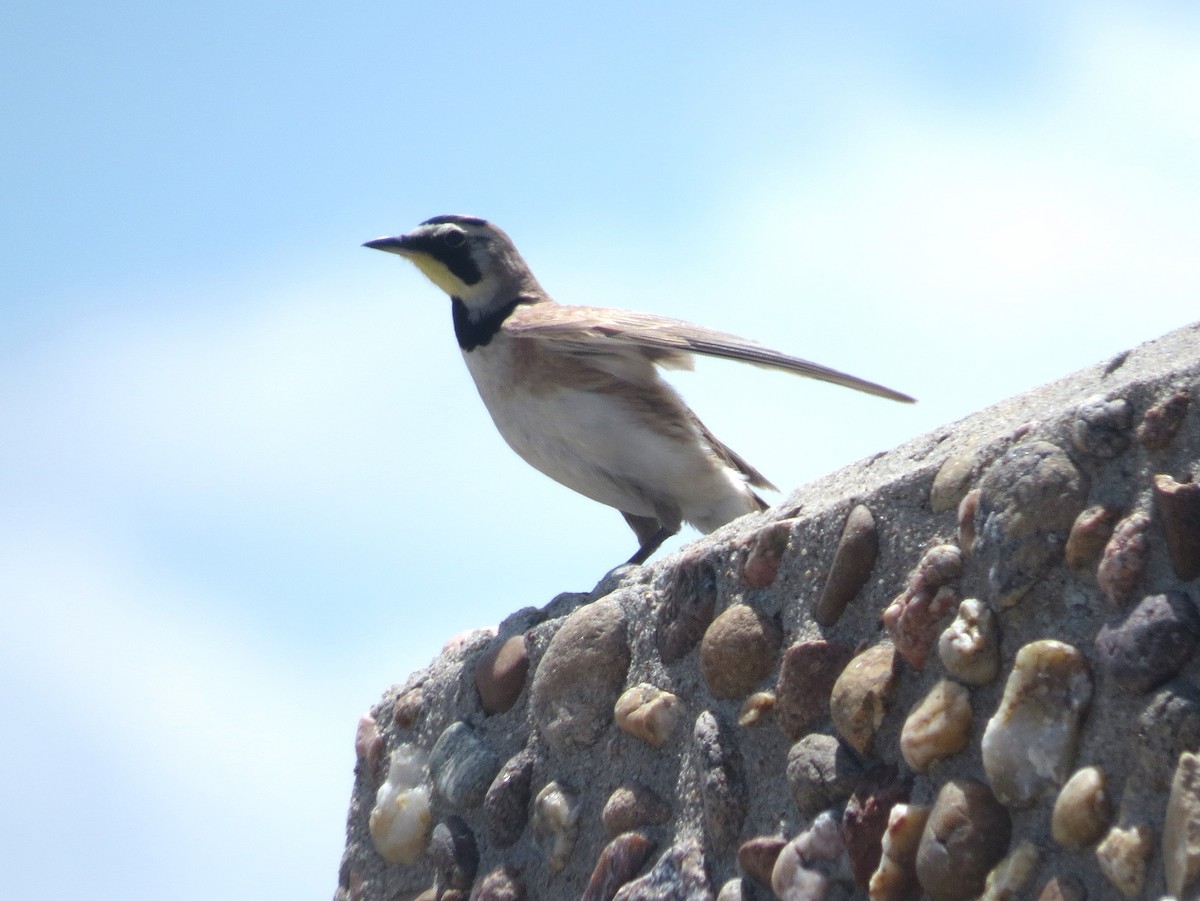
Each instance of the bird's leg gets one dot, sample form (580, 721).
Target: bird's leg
(650, 535)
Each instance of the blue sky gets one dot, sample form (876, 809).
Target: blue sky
(246, 482)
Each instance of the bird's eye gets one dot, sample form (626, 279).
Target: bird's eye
(454, 239)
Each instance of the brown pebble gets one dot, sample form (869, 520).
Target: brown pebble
(954, 477)
(821, 772)
(618, 863)
(632, 807)
(1178, 506)
(1089, 535)
(1083, 809)
(580, 676)
(757, 857)
(738, 651)
(1157, 429)
(939, 726)
(862, 695)
(764, 552)
(966, 835)
(500, 674)
(1124, 558)
(806, 678)
(851, 568)
(506, 804)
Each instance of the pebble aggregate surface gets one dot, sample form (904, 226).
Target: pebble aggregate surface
(963, 669)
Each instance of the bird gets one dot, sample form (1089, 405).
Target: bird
(576, 390)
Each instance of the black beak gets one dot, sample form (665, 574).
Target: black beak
(391, 245)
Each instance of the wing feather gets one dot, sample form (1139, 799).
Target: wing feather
(666, 342)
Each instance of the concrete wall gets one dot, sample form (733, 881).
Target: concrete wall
(912, 655)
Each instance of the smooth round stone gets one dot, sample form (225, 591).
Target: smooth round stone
(954, 478)
(401, 820)
(500, 674)
(821, 772)
(862, 695)
(757, 857)
(851, 568)
(806, 678)
(809, 864)
(1124, 558)
(618, 863)
(1089, 536)
(581, 675)
(631, 807)
(506, 804)
(966, 834)
(462, 766)
(939, 726)
(738, 651)
(1083, 809)
(1030, 742)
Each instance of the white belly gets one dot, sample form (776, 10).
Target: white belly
(593, 444)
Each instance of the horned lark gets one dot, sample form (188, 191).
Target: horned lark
(576, 390)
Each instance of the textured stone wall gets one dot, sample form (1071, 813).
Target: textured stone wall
(965, 668)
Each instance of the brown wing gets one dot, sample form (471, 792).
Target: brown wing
(667, 342)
